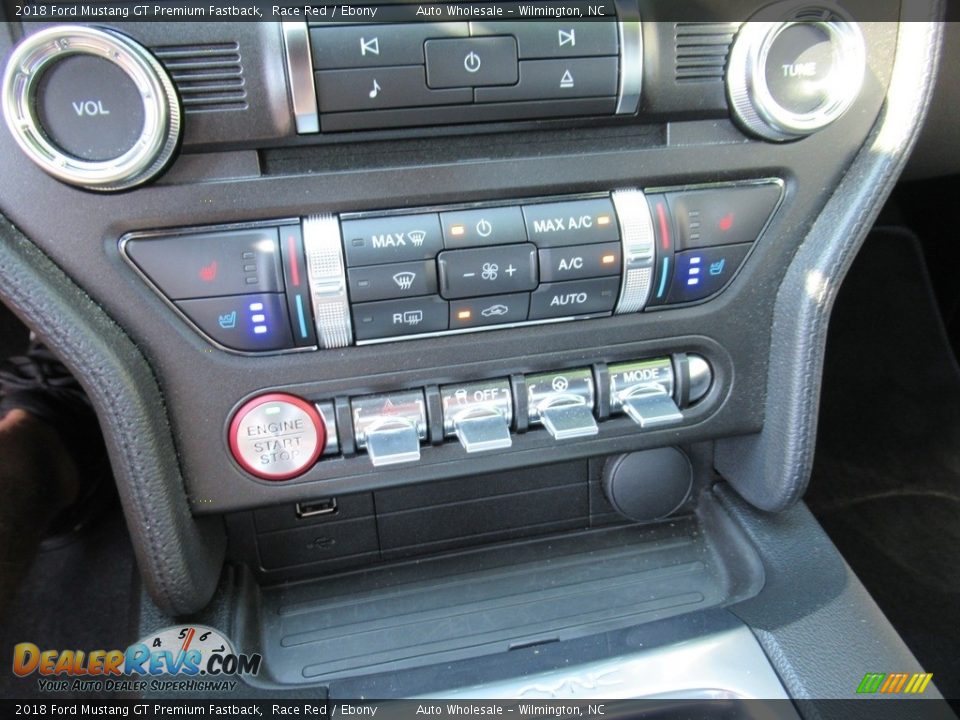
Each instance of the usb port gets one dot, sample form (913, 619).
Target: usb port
(316, 508)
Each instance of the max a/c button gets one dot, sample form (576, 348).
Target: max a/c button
(578, 297)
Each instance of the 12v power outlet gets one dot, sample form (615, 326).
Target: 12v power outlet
(277, 436)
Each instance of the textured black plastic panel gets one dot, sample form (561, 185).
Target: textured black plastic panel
(487, 601)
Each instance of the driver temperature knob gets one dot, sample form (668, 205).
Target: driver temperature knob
(786, 80)
(91, 107)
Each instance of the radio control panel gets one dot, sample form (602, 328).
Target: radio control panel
(328, 281)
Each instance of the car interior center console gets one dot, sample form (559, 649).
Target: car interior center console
(486, 292)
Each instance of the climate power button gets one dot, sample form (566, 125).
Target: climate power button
(277, 436)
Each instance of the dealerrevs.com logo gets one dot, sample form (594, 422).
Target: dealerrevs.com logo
(200, 658)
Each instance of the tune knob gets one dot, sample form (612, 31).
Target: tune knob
(91, 107)
(786, 80)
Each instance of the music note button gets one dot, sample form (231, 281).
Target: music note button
(381, 88)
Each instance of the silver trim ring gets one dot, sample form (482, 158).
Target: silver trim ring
(750, 97)
(638, 241)
(327, 276)
(161, 107)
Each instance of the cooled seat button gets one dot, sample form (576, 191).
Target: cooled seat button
(277, 436)
(700, 273)
(249, 323)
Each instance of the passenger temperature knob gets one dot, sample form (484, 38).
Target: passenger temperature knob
(786, 80)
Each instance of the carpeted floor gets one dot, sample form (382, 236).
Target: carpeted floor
(886, 480)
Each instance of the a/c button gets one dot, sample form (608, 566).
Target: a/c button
(578, 297)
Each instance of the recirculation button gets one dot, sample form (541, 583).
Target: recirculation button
(277, 436)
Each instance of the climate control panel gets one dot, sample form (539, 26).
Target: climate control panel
(330, 281)
(278, 436)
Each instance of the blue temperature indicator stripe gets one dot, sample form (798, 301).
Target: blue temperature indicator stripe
(301, 318)
(663, 277)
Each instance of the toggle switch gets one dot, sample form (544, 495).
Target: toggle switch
(563, 403)
(390, 427)
(644, 391)
(478, 414)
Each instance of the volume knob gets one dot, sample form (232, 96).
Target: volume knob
(91, 107)
(786, 80)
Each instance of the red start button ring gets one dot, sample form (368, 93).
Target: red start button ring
(277, 436)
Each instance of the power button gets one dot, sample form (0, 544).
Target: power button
(277, 436)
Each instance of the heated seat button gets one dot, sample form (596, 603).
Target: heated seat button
(580, 261)
(249, 323)
(700, 273)
(573, 222)
(488, 226)
(232, 262)
(398, 280)
(495, 310)
(399, 238)
(487, 271)
(390, 318)
(471, 62)
(577, 297)
(722, 216)
(277, 436)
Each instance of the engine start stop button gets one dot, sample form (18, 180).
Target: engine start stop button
(277, 436)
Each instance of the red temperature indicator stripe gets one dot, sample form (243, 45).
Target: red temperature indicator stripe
(664, 227)
(294, 263)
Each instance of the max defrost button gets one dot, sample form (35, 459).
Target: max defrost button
(400, 238)
(277, 436)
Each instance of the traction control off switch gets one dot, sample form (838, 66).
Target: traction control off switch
(278, 436)
(478, 414)
(563, 403)
(390, 427)
(644, 391)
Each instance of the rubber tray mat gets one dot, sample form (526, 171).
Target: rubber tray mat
(495, 599)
